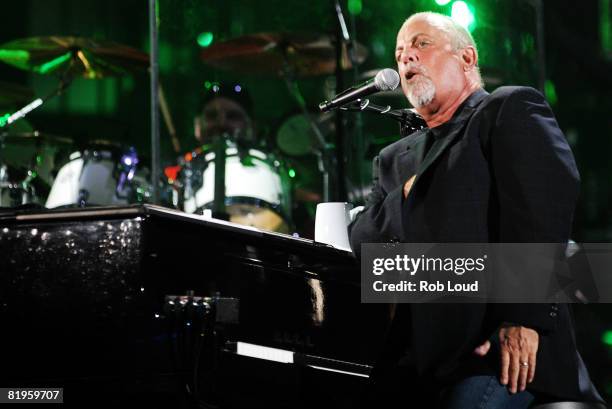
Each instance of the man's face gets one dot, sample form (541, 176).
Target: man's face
(429, 68)
(221, 115)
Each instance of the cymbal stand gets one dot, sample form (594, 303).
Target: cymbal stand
(220, 156)
(324, 151)
(355, 154)
(65, 80)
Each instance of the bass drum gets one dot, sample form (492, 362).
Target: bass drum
(257, 188)
(99, 176)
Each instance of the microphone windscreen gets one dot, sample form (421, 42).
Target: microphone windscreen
(386, 80)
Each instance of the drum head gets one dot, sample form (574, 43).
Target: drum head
(101, 174)
(257, 216)
(257, 190)
(295, 136)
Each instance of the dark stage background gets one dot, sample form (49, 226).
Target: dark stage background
(577, 52)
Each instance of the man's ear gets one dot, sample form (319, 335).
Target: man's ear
(469, 58)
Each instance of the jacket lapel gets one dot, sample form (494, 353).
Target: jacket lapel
(415, 147)
(420, 146)
(458, 123)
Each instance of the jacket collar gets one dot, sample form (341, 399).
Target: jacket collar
(448, 131)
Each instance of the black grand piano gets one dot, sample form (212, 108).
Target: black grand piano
(152, 306)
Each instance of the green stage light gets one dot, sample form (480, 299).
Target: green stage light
(463, 14)
(291, 173)
(355, 7)
(605, 26)
(606, 338)
(15, 56)
(442, 2)
(4, 119)
(205, 39)
(207, 85)
(551, 92)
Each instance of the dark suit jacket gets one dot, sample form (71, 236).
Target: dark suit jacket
(501, 171)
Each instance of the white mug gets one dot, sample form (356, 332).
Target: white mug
(331, 222)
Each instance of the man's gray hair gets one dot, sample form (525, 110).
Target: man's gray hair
(458, 35)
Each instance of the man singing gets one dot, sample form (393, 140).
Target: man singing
(490, 168)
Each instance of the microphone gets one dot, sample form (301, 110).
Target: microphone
(385, 80)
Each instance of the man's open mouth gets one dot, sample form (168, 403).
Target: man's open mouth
(411, 74)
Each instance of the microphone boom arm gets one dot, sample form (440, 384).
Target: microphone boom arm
(406, 117)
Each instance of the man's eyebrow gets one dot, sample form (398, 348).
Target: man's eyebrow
(414, 37)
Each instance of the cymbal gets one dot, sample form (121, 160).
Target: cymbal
(103, 144)
(35, 137)
(14, 94)
(270, 53)
(76, 56)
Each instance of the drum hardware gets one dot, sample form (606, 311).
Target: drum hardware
(323, 149)
(128, 165)
(35, 137)
(70, 57)
(74, 57)
(19, 187)
(295, 136)
(83, 198)
(12, 194)
(255, 188)
(290, 56)
(65, 81)
(188, 185)
(101, 174)
(220, 147)
(165, 111)
(343, 39)
(39, 150)
(170, 189)
(181, 180)
(270, 53)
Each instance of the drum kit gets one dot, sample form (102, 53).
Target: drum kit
(37, 168)
(232, 176)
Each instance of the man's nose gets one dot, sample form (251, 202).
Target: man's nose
(409, 55)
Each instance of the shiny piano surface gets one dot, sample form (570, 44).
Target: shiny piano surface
(82, 292)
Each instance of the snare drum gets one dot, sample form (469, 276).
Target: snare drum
(99, 176)
(257, 189)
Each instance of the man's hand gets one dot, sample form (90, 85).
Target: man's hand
(519, 346)
(408, 186)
